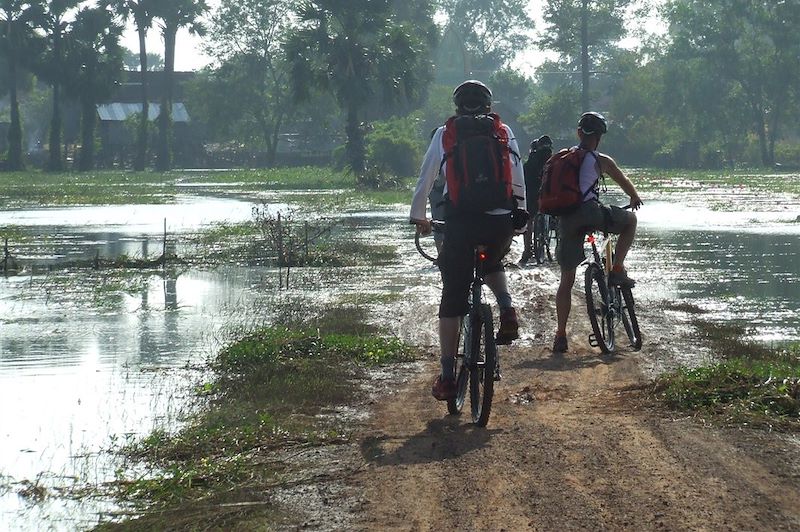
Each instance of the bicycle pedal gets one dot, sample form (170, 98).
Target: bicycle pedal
(593, 340)
(497, 376)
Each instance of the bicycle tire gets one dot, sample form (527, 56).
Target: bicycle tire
(597, 306)
(629, 320)
(552, 237)
(456, 405)
(539, 237)
(482, 367)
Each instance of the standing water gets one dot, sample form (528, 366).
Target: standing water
(82, 370)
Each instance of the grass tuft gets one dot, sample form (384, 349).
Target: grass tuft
(759, 388)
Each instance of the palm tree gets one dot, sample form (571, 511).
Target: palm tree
(53, 21)
(362, 54)
(173, 15)
(16, 18)
(142, 12)
(93, 60)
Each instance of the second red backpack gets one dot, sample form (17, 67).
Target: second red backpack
(561, 190)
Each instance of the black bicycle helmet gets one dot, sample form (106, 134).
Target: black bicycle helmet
(472, 96)
(544, 142)
(591, 123)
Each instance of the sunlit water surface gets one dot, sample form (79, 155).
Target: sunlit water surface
(77, 377)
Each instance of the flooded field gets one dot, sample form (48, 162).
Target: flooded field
(84, 369)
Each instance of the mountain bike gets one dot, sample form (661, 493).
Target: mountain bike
(477, 365)
(608, 305)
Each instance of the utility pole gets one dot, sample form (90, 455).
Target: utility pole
(585, 56)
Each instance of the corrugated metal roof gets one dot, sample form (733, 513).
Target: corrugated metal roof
(119, 112)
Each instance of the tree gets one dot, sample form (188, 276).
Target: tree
(142, 13)
(489, 33)
(16, 17)
(173, 15)
(132, 62)
(754, 52)
(53, 20)
(361, 53)
(247, 39)
(582, 32)
(94, 60)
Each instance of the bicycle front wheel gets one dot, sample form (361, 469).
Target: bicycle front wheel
(539, 238)
(597, 305)
(482, 366)
(629, 320)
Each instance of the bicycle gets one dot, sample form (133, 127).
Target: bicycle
(545, 230)
(608, 305)
(477, 365)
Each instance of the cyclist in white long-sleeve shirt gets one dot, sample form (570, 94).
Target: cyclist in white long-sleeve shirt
(493, 228)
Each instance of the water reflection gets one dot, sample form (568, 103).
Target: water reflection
(74, 372)
(734, 271)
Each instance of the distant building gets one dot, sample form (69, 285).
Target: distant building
(119, 118)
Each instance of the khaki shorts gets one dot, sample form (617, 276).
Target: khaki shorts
(591, 216)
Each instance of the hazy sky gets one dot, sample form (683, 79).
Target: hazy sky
(189, 55)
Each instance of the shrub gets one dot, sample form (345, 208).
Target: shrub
(395, 145)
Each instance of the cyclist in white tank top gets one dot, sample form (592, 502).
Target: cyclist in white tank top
(592, 215)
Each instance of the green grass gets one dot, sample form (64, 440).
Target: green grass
(265, 392)
(306, 177)
(751, 385)
(90, 188)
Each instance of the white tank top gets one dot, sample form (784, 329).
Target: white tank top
(590, 174)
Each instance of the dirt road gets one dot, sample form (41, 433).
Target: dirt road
(572, 444)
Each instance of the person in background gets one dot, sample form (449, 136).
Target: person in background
(540, 151)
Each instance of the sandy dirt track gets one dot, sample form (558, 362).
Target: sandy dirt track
(572, 444)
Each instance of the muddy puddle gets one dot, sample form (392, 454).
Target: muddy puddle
(82, 372)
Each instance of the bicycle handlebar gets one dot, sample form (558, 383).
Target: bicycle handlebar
(434, 223)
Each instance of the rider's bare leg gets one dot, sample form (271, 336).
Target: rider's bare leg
(497, 284)
(564, 300)
(449, 329)
(624, 243)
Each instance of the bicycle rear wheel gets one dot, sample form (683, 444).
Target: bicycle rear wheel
(629, 319)
(482, 366)
(597, 305)
(552, 237)
(539, 238)
(455, 405)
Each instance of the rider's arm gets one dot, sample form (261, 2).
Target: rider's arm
(609, 167)
(427, 175)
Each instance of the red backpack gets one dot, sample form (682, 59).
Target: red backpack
(560, 192)
(478, 160)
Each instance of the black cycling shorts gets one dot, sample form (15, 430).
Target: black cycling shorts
(461, 235)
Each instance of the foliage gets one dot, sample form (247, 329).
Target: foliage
(753, 56)
(562, 30)
(16, 25)
(266, 392)
(248, 94)
(482, 35)
(173, 15)
(93, 59)
(745, 389)
(395, 145)
(362, 53)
